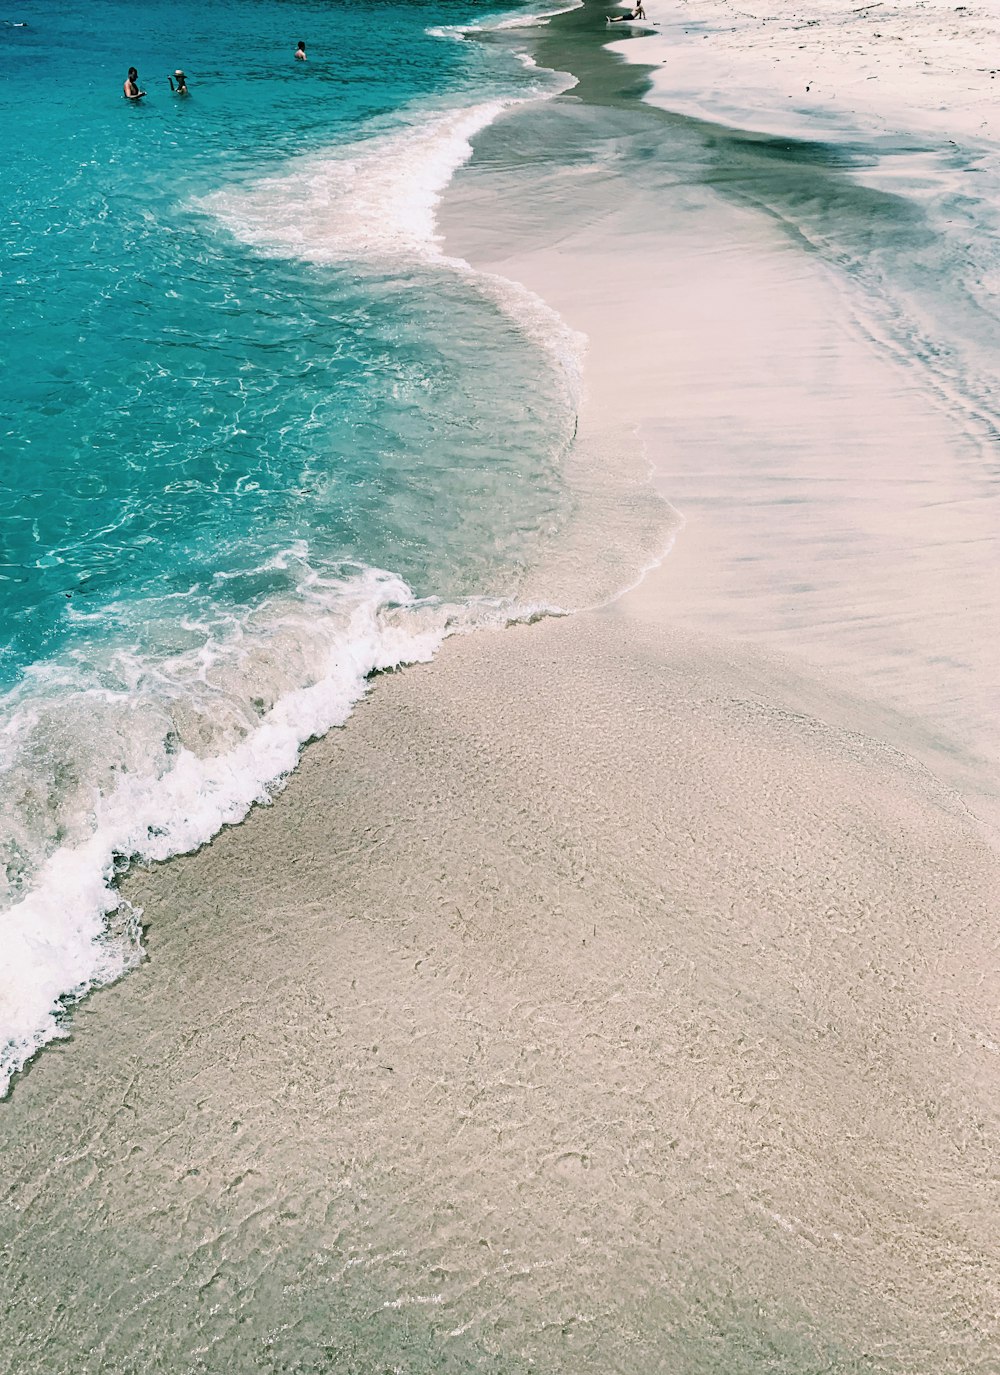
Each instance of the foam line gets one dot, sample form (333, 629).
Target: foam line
(71, 933)
(376, 203)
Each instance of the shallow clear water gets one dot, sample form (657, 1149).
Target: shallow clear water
(259, 436)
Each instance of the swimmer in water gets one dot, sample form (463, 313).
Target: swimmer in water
(300, 51)
(181, 79)
(130, 90)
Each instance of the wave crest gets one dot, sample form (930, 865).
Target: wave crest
(130, 756)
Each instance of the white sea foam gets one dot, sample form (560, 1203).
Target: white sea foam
(375, 203)
(496, 23)
(374, 199)
(130, 756)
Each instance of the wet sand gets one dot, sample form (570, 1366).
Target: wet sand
(615, 993)
(839, 500)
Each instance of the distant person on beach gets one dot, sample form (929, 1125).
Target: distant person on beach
(131, 87)
(300, 51)
(637, 13)
(181, 79)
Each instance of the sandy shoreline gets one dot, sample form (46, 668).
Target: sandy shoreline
(580, 1005)
(839, 509)
(890, 65)
(609, 995)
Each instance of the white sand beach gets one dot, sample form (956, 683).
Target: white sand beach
(895, 64)
(838, 491)
(616, 993)
(580, 1007)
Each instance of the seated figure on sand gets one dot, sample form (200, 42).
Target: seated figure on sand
(637, 12)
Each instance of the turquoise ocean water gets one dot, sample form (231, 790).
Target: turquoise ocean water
(260, 436)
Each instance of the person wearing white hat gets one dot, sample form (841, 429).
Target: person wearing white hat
(181, 79)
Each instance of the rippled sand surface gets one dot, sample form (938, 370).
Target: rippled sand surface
(585, 1006)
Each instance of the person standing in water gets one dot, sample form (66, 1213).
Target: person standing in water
(130, 90)
(300, 51)
(181, 79)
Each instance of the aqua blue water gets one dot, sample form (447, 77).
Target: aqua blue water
(259, 435)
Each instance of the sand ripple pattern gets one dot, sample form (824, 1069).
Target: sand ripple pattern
(629, 1024)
